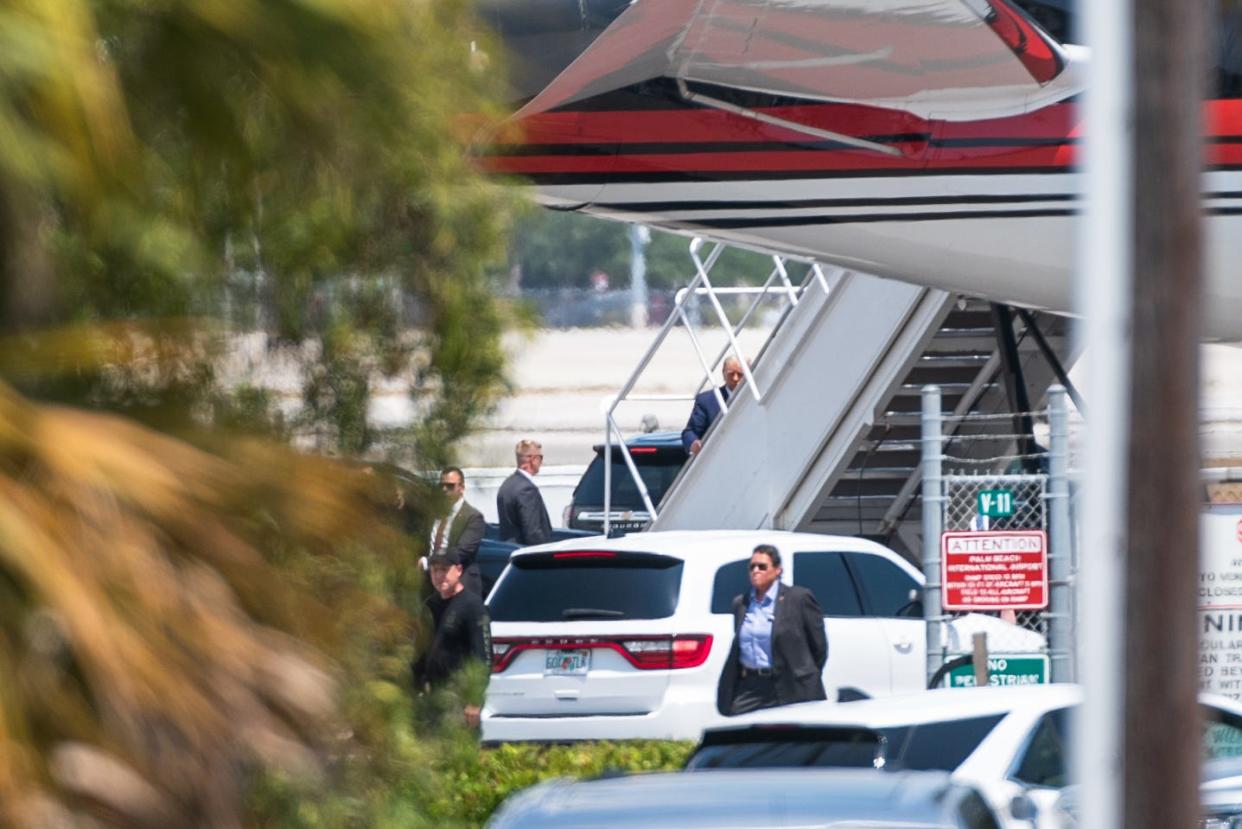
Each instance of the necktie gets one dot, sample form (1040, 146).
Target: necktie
(439, 540)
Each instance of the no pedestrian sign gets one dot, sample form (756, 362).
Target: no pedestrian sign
(1002, 570)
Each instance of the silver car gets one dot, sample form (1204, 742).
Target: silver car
(754, 799)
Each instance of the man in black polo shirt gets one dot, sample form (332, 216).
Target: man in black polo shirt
(462, 628)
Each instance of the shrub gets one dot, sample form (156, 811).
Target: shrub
(475, 781)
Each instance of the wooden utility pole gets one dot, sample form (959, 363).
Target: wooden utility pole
(1161, 728)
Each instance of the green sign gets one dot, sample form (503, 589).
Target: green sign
(1003, 670)
(995, 503)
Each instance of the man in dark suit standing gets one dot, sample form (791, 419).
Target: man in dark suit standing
(522, 514)
(461, 531)
(779, 645)
(707, 406)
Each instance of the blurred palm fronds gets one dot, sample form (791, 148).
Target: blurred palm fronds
(143, 667)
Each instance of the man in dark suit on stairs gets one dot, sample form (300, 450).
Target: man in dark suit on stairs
(519, 506)
(460, 531)
(779, 645)
(707, 406)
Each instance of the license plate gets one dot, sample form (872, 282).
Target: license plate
(567, 663)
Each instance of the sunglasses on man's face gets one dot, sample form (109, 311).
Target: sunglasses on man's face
(758, 565)
(448, 486)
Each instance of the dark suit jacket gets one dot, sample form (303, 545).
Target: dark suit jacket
(464, 536)
(702, 416)
(522, 514)
(799, 649)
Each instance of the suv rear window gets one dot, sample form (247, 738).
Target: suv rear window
(657, 469)
(575, 585)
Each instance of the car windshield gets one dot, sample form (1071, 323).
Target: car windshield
(573, 585)
(658, 469)
(941, 746)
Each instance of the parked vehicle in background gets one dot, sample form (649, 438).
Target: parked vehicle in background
(626, 637)
(1220, 796)
(848, 799)
(1010, 743)
(659, 457)
(494, 554)
(1221, 792)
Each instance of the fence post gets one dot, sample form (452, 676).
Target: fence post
(933, 522)
(1060, 554)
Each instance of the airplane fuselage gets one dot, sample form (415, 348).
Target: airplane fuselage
(983, 206)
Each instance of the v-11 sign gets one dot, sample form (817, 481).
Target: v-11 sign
(1001, 570)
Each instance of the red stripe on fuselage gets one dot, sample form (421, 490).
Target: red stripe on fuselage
(709, 125)
(783, 161)
(716, 130)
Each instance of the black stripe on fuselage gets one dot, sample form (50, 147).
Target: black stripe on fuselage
(866, 218)
(760, 176)
(660, 207)
(798, 204)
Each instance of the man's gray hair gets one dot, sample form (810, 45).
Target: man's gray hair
(527, 447)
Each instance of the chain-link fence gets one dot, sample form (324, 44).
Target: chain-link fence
(997, 546)
(1028, 510)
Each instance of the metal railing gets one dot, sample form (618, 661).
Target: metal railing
(777, 283)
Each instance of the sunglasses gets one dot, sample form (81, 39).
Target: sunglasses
(448, 486)
(759, 566)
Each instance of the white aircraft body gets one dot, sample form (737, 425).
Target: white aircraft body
(931, 141)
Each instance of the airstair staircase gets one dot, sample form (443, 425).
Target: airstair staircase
(824, 435)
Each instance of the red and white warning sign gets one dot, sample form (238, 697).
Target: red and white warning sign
(1002, 570)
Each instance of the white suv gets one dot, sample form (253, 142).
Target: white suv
(625, 638)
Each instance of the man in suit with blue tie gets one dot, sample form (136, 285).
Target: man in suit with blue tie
(707, 406)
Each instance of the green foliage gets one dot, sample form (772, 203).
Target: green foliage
(198, 613)
(428, 770)
(299, 166)
(480, 780)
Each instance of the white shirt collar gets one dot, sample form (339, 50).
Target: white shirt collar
(529, 476)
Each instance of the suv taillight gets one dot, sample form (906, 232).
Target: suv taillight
(668, 652)
(648, 653)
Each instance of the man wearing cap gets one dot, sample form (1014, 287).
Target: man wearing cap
(461, 530)
(779, 645)
(461, 625)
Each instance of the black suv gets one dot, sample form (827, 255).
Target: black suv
(659, 456)
(494, 554)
